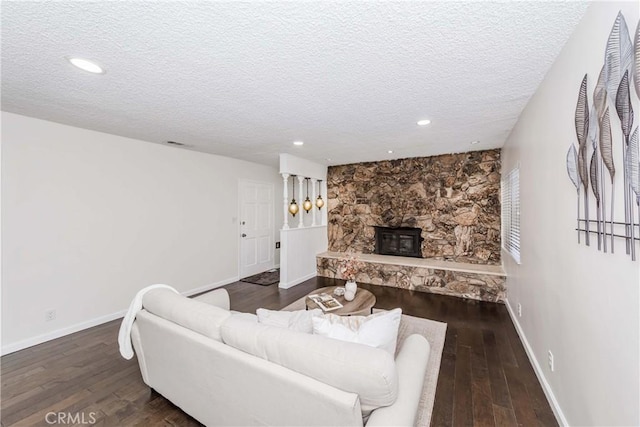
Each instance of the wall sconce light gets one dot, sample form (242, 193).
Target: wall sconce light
(307, 205)
(319, 201)
(293, 206)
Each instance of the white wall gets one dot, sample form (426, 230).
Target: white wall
(301, 245)
(299, 249)
(89, 218)
(580, 303)
(294, 165)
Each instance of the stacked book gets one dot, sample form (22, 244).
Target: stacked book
(325, 301)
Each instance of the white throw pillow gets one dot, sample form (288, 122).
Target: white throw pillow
(379, 330)
(299, 321)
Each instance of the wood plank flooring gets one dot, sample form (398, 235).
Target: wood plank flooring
(485, 376)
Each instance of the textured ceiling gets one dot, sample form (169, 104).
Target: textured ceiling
(246, 79)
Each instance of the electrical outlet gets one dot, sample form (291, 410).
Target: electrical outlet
(550, 357)
(519, 310)
(277, 245)
(49, 315)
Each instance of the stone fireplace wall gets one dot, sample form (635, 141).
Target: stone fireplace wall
(454, 198)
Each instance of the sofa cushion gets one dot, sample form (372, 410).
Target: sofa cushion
(366, 371)
(300, 320)
(248, 316)
(217, 297)
(377, 330)
(195, 315)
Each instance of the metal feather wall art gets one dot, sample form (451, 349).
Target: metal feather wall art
(618, 56)
(625, 114)
(632, 167)
(593, 173)
(589, 164)
(572, 170)
(597, 111)
(595, 170)
(606, 150)
(636, 49)
(582, 129)
(600, 95)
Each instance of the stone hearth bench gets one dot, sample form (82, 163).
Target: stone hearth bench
(474, 281)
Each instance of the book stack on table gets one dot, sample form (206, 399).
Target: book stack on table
(325, 301)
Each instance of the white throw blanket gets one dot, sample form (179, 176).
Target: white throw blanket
(124, 335)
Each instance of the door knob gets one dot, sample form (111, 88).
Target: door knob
(244, 235)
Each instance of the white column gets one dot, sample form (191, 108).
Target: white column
(313, 199)
(300, 200)
(285, 194)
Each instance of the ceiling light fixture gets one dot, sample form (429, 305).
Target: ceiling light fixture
(424, 122)
(307, 204)
(390, 151)
(319, 201)
(86, 65)
(475, 142)
(293, 206)
(298, 143)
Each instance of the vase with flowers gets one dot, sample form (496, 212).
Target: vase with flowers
(349, 269)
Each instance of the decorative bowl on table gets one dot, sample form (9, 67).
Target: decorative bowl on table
(339, 291)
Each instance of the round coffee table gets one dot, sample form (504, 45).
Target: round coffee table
(362, 304)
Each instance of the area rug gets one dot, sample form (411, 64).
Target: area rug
(435, 333)
(265, 278)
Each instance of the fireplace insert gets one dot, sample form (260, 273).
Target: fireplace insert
(399, 241)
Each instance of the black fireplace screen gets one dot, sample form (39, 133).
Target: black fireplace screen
(400, 241)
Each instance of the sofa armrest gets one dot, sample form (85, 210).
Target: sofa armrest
(411, 364)
(217, 297)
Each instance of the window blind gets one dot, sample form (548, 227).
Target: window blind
(511, 213)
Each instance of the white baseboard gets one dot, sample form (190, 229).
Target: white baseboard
(30, 342)
(294, 282)
(555, 406)
(210, 286)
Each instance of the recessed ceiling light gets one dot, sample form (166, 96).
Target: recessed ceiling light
(390, 151)
(424, 122)
(86, 65)
(298, 142)
(475, 142)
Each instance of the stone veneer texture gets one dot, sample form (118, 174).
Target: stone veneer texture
(454, 198)
(477, 286)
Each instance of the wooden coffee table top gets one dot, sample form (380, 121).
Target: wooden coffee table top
(362, 304)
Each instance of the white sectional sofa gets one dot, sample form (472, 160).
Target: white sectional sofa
(225, 368)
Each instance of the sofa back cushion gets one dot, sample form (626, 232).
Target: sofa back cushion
(299, 320)
(195, 315)
(367, 371)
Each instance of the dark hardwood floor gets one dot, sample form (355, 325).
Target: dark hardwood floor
(485, 376)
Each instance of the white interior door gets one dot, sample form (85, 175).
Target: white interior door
(256, 227)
